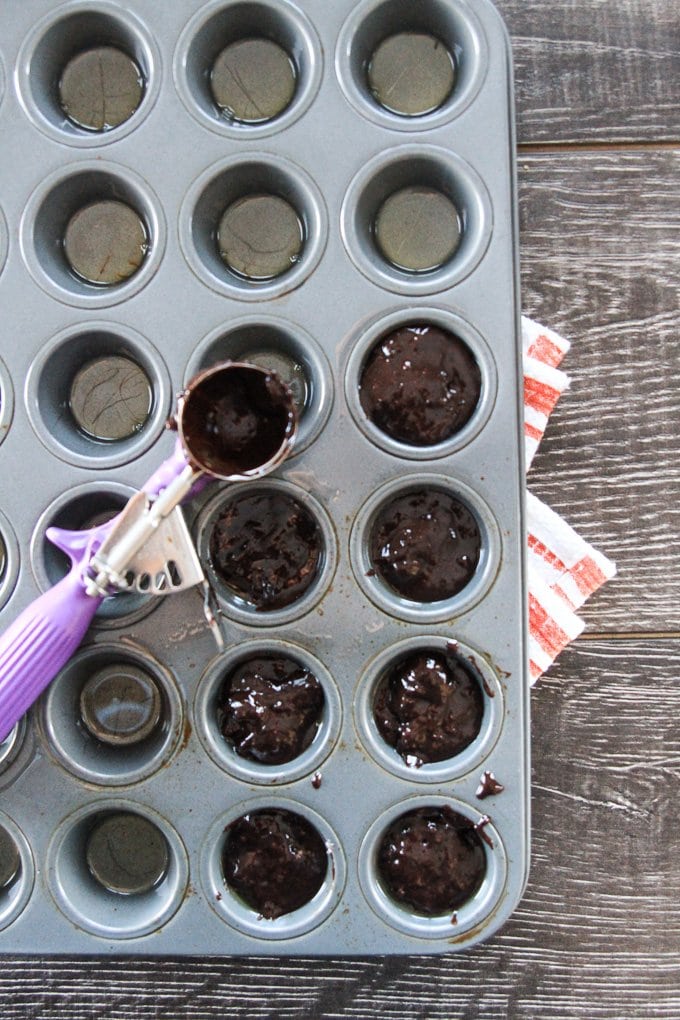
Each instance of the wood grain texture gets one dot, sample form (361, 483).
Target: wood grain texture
(599, 250)
(596, 70)
(596, 936)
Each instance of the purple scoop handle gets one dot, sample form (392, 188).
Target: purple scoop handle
(169, 471)
(40, 641)
(44, 637)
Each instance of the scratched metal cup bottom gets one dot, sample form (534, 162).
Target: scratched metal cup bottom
(98, 394)
(121, 704)
(75, 510)
(113, 716)
(260, 236)
(94, 235)
(253, 80)
(411, 73)
(101, 88)
(409, 66)
(110, 398)
(17, 871)
(236, 81)
(452, 923)
(282, 347)
(466, 760)
(117, 869)
(127, 854)
(417, 229)
(105, 242)
(88, 73)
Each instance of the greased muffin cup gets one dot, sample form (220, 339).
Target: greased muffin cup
(251, 180)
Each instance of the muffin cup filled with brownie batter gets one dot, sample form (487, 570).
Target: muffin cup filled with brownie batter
(421, 387)
(432, 867)
(272, 868)
(269, 548)
(429, 709)
(425, 549)
(267, 712)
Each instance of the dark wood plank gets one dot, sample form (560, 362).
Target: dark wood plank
(595, 937)
(588, 70)
(600, 255)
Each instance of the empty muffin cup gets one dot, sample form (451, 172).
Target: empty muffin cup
(253, 80)
(270, 551)
(117, 869)
(272, 869)
(282, 347)
(416, 219)
(17, 871)
(88, 73)
(93, 236)
(268, 712)
(241, 81)
(98, 394)
(424, 548)
(113, 716)
(429, 709)
(411, 66)
(84, 507)
(253, 227)
(432, 868)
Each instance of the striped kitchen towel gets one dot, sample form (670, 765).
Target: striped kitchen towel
(563, 569)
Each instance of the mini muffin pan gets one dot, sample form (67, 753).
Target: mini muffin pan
(318, 189)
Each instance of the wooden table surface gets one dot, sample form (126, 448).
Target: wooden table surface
(597, 935)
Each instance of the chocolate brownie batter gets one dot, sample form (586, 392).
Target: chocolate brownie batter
(270, 709)
(429, 707)
(266, 547)
(275, 860)
(234, 422)
(420, 385)
(425, 545)
(431, 860)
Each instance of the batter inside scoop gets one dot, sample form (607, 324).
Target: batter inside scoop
(425, 545)
(432, 860)
(267, 547)
(275, 860)
(270, 709)
(429, 707)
